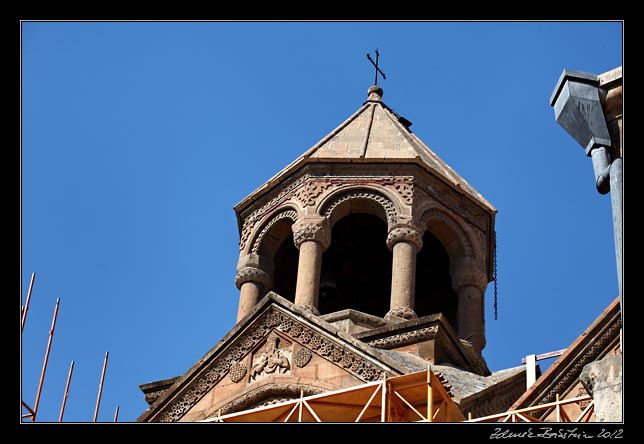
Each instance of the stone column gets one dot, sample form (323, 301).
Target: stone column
(252, 281)
(312, 236)
(404, 241)
(470, 281)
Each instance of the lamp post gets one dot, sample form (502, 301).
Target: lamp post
(578, 109)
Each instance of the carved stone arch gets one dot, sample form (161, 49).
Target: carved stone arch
(273, 231)
(269, 394)
(254, 223)
(360, 199)
(455, 238)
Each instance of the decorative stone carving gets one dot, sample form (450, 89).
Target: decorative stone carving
(405, 187)
(272, 319)
(406, 233)
(302, 357)
(312, 231)
(252, 274)
(401, 312)
(406, 338)
(253, 218)
(237, 372)
(311, 190)
(589, 356)
(387, 205)
(288, 214)
(266, 394)
(272, 359)
(581, 391)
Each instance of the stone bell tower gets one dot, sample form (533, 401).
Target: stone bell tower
(369, 220)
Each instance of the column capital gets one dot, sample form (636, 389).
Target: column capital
(466, 273)
(252, 274)
(315, 229)
(405, 233)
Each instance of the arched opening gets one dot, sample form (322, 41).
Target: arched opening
(356, 268)
(285, 271)
(275, 243)
(434, 292)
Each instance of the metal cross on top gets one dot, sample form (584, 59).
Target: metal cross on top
(375, 64)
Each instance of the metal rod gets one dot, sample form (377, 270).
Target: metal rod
(116, 414)
(66, 394)
(375, 64)
(26, 307)
(430, 396)
(31, 412)
(44, 366)
(383, 400)
(100, 387)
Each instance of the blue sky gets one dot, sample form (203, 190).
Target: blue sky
(138, 138)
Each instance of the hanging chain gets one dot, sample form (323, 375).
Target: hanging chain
(496, 307)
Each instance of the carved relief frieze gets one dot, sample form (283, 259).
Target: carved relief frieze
(404, 186)
(271, 321)
(309, 193)
(406, 338)
(274, 358)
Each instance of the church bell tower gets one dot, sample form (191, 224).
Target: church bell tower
(365, 258)
(369, 220)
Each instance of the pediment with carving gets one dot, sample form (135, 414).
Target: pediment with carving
(280, 353)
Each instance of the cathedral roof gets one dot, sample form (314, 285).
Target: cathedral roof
(326, 359)
(375, 134)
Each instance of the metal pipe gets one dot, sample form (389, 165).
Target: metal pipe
(601, 167)
(44, 366)
(616, 197)
(66, 394)
(100, 387)
(26, 307)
